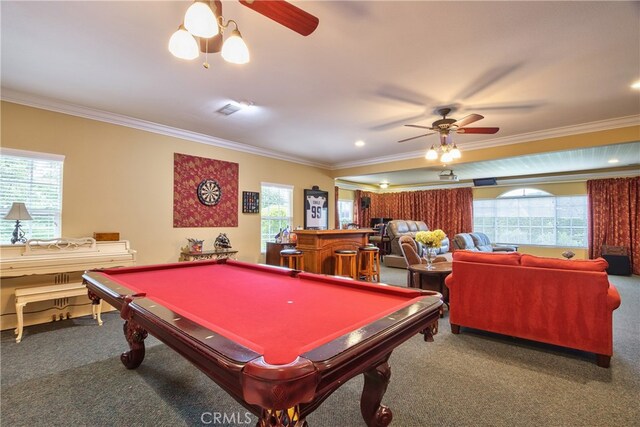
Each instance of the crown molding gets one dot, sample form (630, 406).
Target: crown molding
(48, 104)
(600, 125)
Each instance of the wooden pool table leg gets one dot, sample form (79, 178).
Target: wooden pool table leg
(376, 381)
(281, 418)
(135, 336)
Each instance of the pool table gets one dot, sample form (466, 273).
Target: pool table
(279, 341)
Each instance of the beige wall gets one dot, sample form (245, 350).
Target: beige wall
(346, 194)
(121, 179)
(557, 189)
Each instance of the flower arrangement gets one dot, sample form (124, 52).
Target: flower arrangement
(431, 239)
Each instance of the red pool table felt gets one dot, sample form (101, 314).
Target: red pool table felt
(271, 313)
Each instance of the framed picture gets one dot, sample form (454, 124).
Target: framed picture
(316, 209)
(250, 202)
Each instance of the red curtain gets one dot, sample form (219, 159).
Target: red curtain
(357, 212)
(336, 221)
(614, 217)
(450, 210)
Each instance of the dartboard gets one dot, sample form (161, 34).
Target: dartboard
(209, 192)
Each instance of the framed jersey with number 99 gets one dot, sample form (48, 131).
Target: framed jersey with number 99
(316, 209)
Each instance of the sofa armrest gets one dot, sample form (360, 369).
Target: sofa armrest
(504, 248)
(444, 246)
(613, 298)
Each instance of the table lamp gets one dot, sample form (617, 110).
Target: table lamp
(18, 212)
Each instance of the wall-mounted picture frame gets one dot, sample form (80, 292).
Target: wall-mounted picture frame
(316, 209)
(250, 202)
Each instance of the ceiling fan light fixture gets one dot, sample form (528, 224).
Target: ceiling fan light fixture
(432, 154)
(200, 21)
(446, 157)
(182, 45)
(234, 49)
(455, 153)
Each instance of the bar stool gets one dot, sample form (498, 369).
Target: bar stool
(349, 257)
(294, 258)
(369, 263)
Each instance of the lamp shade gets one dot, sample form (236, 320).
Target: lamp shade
(234, 49)
(201, 21)
(18, 211)
(432, 154)
(182, 45)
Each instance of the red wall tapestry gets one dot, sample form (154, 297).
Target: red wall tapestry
(205, 192)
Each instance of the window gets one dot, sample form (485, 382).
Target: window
(345, 211)
(36, 180)
(276, 211)
(533, 217)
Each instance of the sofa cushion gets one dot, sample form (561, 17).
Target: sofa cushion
(480, 240)
(463, 241)
(598, 264)
(509, 258)
(397, 228)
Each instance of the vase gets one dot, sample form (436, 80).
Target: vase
(430, 255)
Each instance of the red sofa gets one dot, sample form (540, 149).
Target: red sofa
(568, 303)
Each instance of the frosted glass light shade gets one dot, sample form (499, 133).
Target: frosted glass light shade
(182, 45)
(431, 154)
(200, 20)
(446, 157)
(455, 153)
(235, 50)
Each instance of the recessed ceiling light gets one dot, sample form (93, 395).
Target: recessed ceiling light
(613, 161)
(359, 143)
(384, 185)
(636, 85)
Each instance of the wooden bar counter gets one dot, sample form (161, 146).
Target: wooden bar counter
(318, 246)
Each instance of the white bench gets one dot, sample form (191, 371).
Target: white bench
(45, 293)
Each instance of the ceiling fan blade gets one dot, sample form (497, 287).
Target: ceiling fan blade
(487, 79)
(405, 96)
(421, 127)
(395, 123)
(468, 120)
(285, 14)
(415, 137)
(213, 44)
(477, 130)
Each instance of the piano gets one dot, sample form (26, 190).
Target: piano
(48, 276)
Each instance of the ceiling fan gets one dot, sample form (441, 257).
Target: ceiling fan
(280, 11)
(445, 126)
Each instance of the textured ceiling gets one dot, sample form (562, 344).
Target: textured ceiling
(369, 68)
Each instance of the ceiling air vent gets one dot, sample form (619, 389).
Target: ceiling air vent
(230, 109)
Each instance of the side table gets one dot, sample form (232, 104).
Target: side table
(419, 277)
